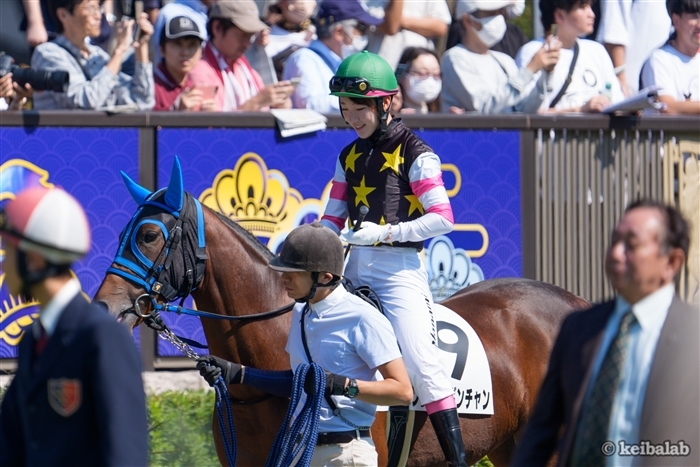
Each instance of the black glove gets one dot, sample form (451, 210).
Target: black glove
(335, 384)
(211, 367)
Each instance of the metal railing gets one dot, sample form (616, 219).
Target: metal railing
(577, 175)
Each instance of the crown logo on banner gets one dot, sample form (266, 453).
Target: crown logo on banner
(16, 313)
(259, 199)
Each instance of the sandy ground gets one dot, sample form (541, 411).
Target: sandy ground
(155, 382)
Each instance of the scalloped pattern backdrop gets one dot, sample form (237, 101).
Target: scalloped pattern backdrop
(86, 162)
(488, 162)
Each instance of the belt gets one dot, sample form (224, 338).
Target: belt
(341, 437)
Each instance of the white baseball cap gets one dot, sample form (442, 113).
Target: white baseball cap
(470, 6)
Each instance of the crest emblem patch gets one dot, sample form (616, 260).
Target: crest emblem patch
(65, 395)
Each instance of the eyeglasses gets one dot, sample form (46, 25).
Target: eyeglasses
(354, 85)
(93, 9)
(437, 76)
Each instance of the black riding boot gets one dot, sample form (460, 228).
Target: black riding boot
(446, 425)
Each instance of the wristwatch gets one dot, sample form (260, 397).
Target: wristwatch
(352, 390)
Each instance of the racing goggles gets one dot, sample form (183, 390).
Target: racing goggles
(353, 85)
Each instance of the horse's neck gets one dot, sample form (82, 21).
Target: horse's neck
(238, 281)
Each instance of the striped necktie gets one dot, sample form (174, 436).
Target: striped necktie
(595, 420)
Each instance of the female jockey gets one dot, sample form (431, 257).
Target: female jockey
(398, 177)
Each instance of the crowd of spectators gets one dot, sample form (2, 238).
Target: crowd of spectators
(227, 55)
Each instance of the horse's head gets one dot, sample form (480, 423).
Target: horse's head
(161, 254)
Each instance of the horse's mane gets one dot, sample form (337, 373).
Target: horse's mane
(251, 239)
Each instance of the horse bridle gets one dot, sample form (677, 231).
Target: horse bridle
(153, 275)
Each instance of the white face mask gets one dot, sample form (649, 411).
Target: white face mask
(492, 31)
(421, 90)
(358, 45)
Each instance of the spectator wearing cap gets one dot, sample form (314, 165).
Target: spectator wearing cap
(196, 10)
(475, 78)
(420, 23)
(342, 30)
(675, 67)
(231, 27)
(181, 47)
(513, 39)
(592, 85)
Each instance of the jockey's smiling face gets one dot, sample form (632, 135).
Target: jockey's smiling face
(361, 116)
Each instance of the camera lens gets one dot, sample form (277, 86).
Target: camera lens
(41, 80)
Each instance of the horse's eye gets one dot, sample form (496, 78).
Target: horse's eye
(150, 237)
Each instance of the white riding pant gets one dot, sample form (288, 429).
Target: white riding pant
(398, 277)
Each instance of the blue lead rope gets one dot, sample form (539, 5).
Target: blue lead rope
(229, 439)
(303, 433)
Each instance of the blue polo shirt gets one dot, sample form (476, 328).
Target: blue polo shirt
(348, 337)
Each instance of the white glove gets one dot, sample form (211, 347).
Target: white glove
(369, 234)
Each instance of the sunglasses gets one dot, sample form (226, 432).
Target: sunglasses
(354, 85)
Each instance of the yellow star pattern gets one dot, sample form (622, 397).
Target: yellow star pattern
(361, 193)
(393, 160)
(415, 204)
(352, 157)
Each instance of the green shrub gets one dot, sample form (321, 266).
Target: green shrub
(180, 429)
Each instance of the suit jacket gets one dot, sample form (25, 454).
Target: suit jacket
(671, 403)
(81, 402)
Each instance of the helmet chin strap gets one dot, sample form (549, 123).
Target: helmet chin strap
(315, 285)
(30, 278)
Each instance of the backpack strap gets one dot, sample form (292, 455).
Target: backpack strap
(568, 78)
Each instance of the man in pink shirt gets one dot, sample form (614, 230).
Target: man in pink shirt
(231, 27)
(181, 48)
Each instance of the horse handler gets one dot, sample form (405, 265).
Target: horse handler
(77, 398)
(398, 177)
(340, 332)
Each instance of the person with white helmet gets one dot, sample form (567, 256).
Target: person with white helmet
(397, 177)
(77, 397)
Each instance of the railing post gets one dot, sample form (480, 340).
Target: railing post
(147, 179)
(528, 201)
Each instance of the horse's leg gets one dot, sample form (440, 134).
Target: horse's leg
(502, 454)
(379, 437)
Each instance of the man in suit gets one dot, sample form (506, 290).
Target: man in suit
(77, 397)
(625, 373)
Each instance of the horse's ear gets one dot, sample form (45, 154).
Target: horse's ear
(137, 192)
(175, 194)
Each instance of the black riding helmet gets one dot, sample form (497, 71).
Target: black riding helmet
(312, 248)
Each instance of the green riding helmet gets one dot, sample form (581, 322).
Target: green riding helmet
(364, 74)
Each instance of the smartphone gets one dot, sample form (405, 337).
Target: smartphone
(295, 81)
(553, 30)
(208, 90)
(137, 29)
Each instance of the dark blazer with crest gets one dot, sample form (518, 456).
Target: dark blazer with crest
(81, 402)
(671, 409)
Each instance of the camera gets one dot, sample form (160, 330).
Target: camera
(39, 80)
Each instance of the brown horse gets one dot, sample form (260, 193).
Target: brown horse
(516, 319)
